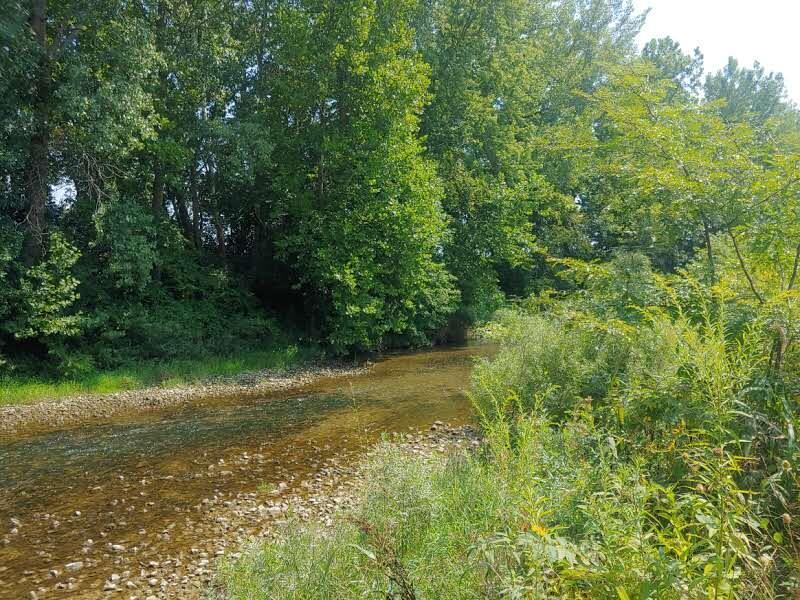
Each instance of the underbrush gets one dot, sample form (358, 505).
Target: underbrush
(174, 373)
(640, 443)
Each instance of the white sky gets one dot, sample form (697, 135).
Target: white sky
(749, 30)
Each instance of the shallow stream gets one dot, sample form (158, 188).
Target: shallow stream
(126, 484)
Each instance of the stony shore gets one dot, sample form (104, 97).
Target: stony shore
(224, 524)
(96, 408)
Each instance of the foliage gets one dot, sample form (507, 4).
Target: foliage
(125, 245)
(647, 455)
(504, 74)
(692, 401)
(182, 178)
(364, 212)
(42, 305)
(49, 291)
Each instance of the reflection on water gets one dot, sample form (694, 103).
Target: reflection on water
(120, 482)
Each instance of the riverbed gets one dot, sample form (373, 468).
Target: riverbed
(85, 509)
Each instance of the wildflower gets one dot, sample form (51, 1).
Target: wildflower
(540, 529)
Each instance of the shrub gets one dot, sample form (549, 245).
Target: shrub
(638, 453)
(548, 363)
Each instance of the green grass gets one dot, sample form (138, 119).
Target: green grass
(629, 475)
(168, 374)
(414, 525)
(544, 521)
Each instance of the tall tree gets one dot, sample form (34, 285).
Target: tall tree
(504, 73)
(359, 203)
(748, 94)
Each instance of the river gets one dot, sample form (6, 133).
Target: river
(118, 496)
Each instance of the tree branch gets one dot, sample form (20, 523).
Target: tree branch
(744, 268)
(796, 268)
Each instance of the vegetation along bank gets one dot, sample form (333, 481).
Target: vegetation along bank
(187, 180)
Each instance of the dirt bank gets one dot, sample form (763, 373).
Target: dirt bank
(55, 414)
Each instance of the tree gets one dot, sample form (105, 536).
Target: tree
(684, 69)
(748, 94)
(505, 73)
(737, 182)
(359, 203)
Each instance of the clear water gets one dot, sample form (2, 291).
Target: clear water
(129, 479)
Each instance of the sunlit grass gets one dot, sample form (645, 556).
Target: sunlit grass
(169, 374)
(611, 468)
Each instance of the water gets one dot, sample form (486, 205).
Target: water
(122, 483)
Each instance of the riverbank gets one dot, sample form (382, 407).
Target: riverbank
(279, 355)
(410, 496)
(319, 502)
(224, 526)
(59, 412)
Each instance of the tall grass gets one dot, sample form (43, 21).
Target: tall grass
(167, 374)
(632, 451)
(412, 535)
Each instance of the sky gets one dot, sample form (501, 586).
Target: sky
(749, 30)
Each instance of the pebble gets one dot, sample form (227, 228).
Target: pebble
(79, 409)
(227, 521)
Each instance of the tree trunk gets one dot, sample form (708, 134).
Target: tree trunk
(795, 269)
(195, 197)
(219, 224)
(182, 213)
(158, 192)
(712, 268)
(37, 168)
(157, 200)
(750, 281)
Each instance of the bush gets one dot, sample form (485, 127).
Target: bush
(638, 453)
(558, 515)
(548, 363)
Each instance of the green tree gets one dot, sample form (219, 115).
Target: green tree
(505, 73)
(684, 69)
(360, 203)
(748, 94)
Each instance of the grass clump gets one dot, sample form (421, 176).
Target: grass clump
(637, 445)
(413, 532)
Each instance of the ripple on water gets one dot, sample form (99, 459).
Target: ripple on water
(112, 482)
